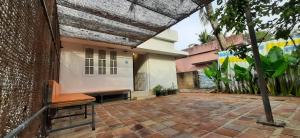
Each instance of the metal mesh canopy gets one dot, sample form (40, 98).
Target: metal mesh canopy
(125, 22)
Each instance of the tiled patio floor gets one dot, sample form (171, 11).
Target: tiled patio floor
(189, 115)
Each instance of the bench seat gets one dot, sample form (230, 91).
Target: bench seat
(61, 100)
(102, 93)
(71, 99)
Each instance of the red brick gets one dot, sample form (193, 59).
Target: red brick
(255, 133)
(291, 132)
(104, 135)
(214, 135)
(227, 132)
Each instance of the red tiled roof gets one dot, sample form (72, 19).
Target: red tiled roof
(189, 63)
(200, 55)
(214, 45)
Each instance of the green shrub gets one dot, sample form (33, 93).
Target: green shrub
(158, 90)
(171, 91)
(164, 92)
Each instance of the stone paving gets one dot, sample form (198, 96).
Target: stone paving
(188, 115)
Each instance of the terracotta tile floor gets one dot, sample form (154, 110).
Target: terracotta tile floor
(188, 115)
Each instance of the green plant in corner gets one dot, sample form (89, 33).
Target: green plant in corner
(224, 74)
(245, 79)
(164, 91)
(293, 73)
(171, 91)
(157, 90)
(215, 74)
(275, 65)
(241, 15)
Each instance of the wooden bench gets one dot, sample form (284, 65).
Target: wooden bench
(102, 93)
(59, 100)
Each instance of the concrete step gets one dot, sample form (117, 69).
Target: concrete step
(142, 95)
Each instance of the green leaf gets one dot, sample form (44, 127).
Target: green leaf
(241, 73)
(208, 73)
(282, 33)
(224, 66)
(212, 71)
(225, 80)
(275, 54)
(250, 60)
(290, 59)
(280, 70)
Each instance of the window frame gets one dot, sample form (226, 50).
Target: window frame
(89, 63)
(102, 67)
(113, 66)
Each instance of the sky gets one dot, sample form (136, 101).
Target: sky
(191, 26)
(188, 29)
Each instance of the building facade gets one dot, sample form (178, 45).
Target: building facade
(190, 73)
(90, 66)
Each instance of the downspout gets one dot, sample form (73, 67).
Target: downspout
(148, 72)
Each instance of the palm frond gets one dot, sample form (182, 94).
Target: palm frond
(203, 16)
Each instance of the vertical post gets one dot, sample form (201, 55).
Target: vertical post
(261, 81)
(47, 122)
(93, 116)
(125, 96)
(85, 111)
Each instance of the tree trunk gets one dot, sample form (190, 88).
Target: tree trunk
(261, 81)
(215, 26)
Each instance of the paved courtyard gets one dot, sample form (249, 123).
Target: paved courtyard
(188, 115)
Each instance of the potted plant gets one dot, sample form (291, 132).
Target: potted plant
(172, 91)
(164, 92)
(158, 90)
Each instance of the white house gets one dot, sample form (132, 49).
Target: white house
(91, 66)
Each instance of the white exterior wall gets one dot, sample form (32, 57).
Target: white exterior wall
(162, 71)
(73, 79)
(160, 66)
(163, 44)
(159, 70)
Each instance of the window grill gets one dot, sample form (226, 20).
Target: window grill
(102, 62)
(113, 62)
(89, 61)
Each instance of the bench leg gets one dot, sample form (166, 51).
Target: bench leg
(85, 111)
(48, 119)
(125, 96)
(97, 99)
(93, 116)
(101, 98)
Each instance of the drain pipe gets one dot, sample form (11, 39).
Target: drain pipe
(22, 126)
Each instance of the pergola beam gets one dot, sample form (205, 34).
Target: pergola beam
(136, 2)
(124, 22)
(78, 19)
(143, 18)
(70, 31)
(202, 3)
(175, 9)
